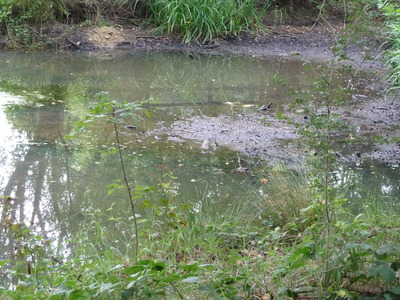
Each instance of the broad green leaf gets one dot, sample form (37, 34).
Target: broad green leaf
(297, 264)
(79, 295)
(171, 278)
(361, 246)
(164, 201)
(159, 266)
(384, 271)
(133, 270)
(126, 294)
(395, 290)
(386, 249)
(191, 268)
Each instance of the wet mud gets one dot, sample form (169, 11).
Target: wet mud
(373, 134)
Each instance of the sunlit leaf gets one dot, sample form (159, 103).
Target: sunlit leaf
(79, 295)
(3, 262)
(193, 279)
(148, 114)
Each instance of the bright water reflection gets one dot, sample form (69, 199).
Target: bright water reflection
(52, 183)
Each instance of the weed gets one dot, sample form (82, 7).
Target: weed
(285, 193)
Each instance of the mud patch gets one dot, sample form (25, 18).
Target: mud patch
(105, 37)
(264, 136)
(257, 135)
(379, 120)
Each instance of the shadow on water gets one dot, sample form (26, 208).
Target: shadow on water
(42, 94)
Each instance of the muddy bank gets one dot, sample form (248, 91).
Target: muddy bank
(272, 140)
(252, 134)
(312, 42)
(377, 121)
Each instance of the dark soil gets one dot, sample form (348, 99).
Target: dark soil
(312, 42)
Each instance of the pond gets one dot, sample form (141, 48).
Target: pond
(53, 181)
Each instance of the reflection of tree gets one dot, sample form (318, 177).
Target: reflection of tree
(165, 77)
(28, 181)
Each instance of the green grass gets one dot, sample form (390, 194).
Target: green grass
(391, 12)
(284, 193)
(204, 20)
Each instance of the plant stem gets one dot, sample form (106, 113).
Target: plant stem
(327, 197)
(178, 292)
(128, 187)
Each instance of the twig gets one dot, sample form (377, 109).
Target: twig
(127, 187)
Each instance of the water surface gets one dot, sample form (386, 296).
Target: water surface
(53, 181)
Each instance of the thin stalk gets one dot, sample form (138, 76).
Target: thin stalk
(176, 290)
(345, 14)
(327, 200)
(327, 207)
(128, 187)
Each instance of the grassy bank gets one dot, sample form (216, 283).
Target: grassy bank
(44, 23)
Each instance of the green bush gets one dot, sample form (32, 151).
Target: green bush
(205, 19)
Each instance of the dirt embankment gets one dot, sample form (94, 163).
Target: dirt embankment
(305, 42)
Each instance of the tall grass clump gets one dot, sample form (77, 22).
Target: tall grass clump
(392, 15)
(205, 19)
(285, 193)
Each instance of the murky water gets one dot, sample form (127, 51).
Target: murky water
(52, 181)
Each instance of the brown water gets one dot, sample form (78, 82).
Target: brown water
(54, 181)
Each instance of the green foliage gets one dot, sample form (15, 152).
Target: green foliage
(391, 11)
(26, 20)
(366, 259)
(205, 19)
(114, 112)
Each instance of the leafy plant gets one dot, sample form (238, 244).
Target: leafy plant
(322, 128)
(115, 113)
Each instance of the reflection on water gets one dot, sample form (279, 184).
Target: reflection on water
(42, 94)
